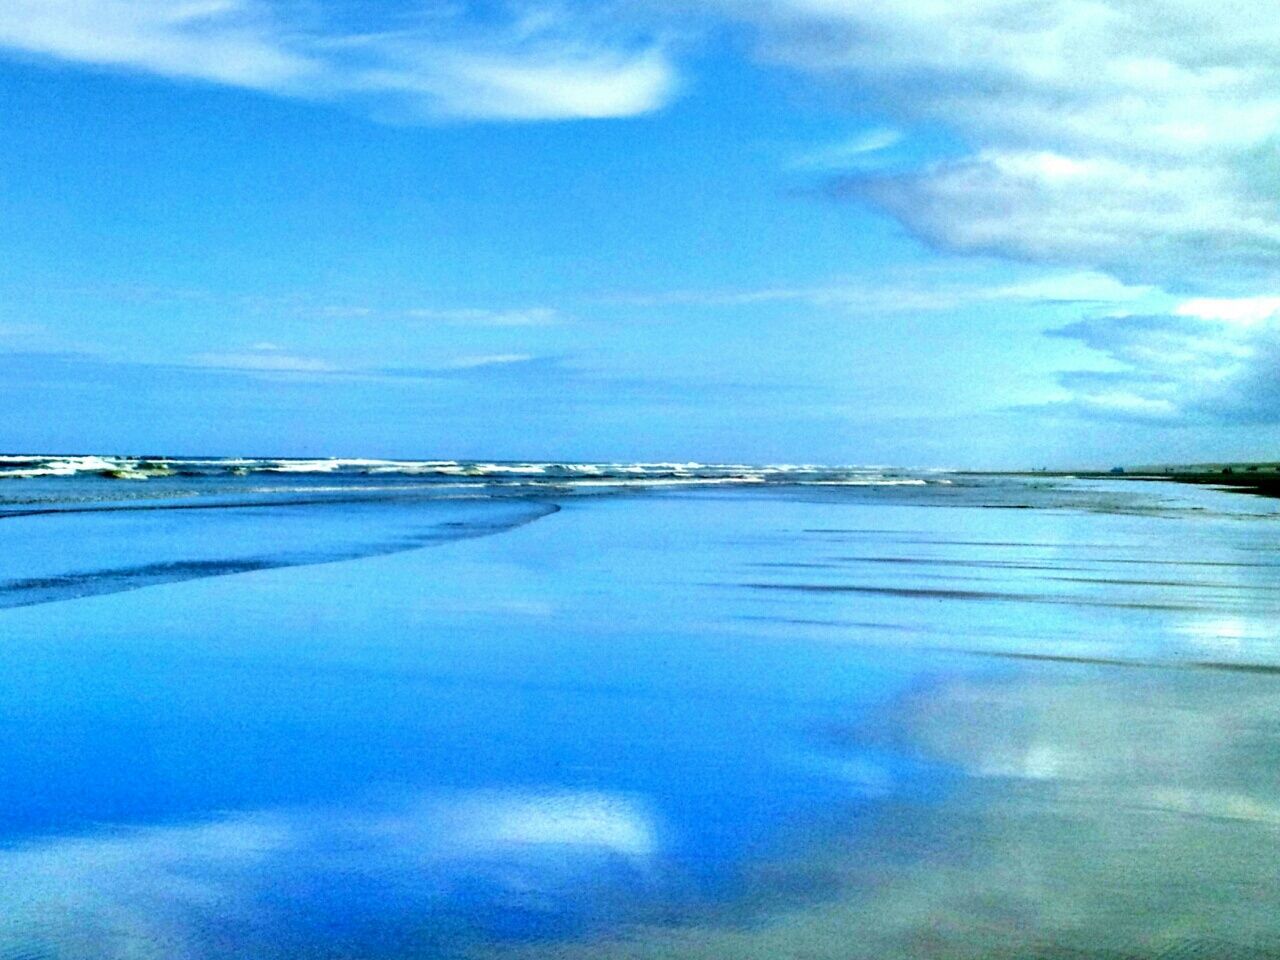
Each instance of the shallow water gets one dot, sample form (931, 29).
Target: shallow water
(322, 720)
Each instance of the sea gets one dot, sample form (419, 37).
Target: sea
(358, 708)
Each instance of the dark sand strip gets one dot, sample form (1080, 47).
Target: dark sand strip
(78, 584)
(928, 593)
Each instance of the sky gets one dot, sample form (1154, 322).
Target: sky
(967, 233)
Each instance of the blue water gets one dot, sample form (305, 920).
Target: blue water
(328, 717)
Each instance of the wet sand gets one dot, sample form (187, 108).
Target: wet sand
(1099, 814)
(1010, 719)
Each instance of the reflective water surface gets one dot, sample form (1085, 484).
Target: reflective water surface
(980, 718)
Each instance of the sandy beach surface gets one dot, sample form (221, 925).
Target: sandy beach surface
(1010, 718)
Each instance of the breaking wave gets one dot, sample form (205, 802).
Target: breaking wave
(475, 471)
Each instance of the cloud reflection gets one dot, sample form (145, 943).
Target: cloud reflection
(247, 881)
(1103, 812)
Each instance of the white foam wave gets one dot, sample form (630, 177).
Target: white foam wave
(67, 466)
(552, 473)
(866, 482)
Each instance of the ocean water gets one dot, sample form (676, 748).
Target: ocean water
(256, 708)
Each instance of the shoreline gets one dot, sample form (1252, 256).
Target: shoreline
(1235, 479)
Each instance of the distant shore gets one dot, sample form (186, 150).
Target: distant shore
(1262, 479)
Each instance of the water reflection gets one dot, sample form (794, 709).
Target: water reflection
(531, 863)
(599, 735)
(1105, 813)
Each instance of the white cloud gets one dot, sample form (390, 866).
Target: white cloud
(1132, 136)
(1248, 311)
(272, 359)
(37, 338)
(913, 294)
(222, 41)
(858, 151)
(537, 82)
(534, 64)
(481, 317)
(264, 359)
(20, 331)
(336, 312)
(1164, 226)
(1197, 364)
(1085, 286)
(488, 360)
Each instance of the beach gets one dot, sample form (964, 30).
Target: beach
(888, 714)
(579, 480)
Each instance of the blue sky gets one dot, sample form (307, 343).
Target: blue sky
(983, 232)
